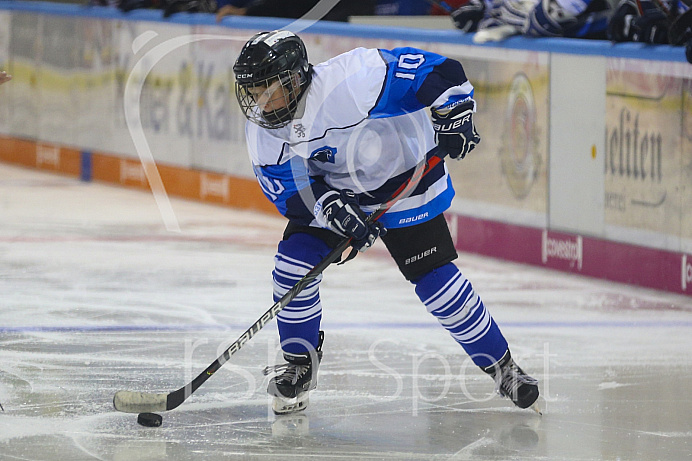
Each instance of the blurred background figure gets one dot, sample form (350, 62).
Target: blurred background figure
(169, 7)
(188, 6)
(111, 3)
(294, 9)
(498, 19)
(403, 7)
(646, 21)
(445, 7)
(4, 77)
(569, 18)
(127, 5)
(232, 8)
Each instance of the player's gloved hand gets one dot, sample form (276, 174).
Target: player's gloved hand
(516, 12)
(652, 27)
(620, 22)
(680, 30)
(340, 212)
(455, 132)
(469, 15)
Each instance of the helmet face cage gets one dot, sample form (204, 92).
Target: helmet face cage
(271, 102)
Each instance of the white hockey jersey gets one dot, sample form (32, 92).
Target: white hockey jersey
(361, 126)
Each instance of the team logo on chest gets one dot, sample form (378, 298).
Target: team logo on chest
(325, 154)
(299, 129)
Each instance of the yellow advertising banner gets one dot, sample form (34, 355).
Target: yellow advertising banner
(509, 167)
(686, 166)
(648, 153)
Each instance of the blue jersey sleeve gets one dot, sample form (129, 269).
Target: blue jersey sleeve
(416, 79)
(280, 183)
(291, 189)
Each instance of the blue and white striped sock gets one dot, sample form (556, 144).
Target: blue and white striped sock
(299, 321)
(449, 296)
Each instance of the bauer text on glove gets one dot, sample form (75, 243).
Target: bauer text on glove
(455, 132)
(339, 211)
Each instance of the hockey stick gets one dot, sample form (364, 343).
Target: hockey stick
(142, 402)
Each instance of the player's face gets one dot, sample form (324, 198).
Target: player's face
(270, 98)
(270, 103)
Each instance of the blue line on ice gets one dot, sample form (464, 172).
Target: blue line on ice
(334, 326)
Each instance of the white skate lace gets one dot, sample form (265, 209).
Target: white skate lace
(288, 371)
(511, 379)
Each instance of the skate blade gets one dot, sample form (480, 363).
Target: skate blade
(536, 408)
(286, 406)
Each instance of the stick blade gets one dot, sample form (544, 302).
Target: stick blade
(139, 402)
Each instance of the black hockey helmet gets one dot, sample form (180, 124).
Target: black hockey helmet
(271, 73)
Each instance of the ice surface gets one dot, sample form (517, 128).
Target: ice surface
(96, 296)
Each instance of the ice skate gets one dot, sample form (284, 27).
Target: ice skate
(291, 386)
(512, 382)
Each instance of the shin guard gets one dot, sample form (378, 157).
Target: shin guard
(299, 321)
(450, 297)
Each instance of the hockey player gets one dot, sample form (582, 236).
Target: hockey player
(646, 21)
(499, 19)
(330, 142)
(569, 18)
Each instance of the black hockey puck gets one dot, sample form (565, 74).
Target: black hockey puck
(149, 419)
(688, 50)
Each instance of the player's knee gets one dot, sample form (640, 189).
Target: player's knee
(450, 297)
(307, 250)
(437, 286)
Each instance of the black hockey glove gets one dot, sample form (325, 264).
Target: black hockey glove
(620, 22)
(454, 130)
(469, 15)
(341, 213)
(680, 31)
(651, 28)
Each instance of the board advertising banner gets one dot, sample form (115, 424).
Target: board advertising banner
(686, 166)
(26, 47)
(96, 82)
(5, 19)
(644, 152)
(508, 170)
(62, 78)
(207, 111)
